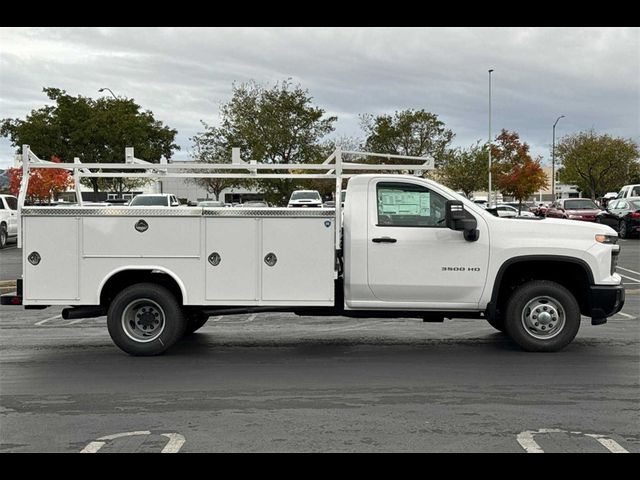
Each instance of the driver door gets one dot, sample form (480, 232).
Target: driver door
(413, 257)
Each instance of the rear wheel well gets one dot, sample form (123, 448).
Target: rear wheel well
(126, 278)
(571, 275)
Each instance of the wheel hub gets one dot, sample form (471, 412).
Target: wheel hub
(143, 320)
(147, 318)
(543, 317)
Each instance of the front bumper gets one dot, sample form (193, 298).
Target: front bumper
(604, 301)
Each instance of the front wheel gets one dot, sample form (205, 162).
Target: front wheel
(145, 319)
(542, 316)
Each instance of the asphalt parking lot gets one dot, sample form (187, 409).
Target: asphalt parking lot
(278, 382)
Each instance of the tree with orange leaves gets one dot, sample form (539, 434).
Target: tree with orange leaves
(514, 171)
(44, 183)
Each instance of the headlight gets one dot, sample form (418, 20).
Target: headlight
(606, 238)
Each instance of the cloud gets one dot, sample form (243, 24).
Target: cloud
(590, 75)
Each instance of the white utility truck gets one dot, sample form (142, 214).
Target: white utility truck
(405, 246)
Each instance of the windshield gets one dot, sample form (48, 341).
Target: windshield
(582, 204)
(149, 200)
(305, 196)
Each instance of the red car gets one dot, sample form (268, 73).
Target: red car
(583, 209)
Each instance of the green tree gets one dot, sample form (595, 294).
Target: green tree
(466, 169)
(209, 146)
(597, 164)
(408, 132)
(96, 131)
(275, 125)
(514, 172)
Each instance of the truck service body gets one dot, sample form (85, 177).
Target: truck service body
(404, 246)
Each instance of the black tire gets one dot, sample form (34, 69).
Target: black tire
(3, 236)
(555, 303)
(622, 230)
(497, 323)
(195, 321)
(136, 309)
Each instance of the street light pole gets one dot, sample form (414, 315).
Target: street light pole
(553, 160)
(489, 197)
(105, 88)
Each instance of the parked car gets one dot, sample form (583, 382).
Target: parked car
(622, 215)
(8, 219)
(305, 198)
(84, 204)
(629, 191)
(524, 211)
(525, 208)
(211, 203)
(507, 211)
(154, 200)
(540, 209)
(255, 204)
(583, 209)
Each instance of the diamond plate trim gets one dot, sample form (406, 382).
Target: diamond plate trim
(110, 212)
(178, 212)
(270, 212)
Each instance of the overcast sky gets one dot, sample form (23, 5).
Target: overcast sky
(591, 75)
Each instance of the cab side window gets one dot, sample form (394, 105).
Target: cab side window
(409, 205)
(12, 203)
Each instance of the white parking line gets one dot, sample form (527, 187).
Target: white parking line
(175, 443)
(526, 440)
(627, 270)
(627, 315)
(630, 278)
(611, 445)
(42, 322)
(93, 447)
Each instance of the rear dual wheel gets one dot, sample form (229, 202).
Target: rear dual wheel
(195, 321)
(145, 319)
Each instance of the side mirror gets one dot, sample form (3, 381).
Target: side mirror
(457, 219)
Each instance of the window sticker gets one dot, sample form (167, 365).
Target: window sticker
(398, 202)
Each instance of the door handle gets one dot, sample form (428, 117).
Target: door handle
(384, 240)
